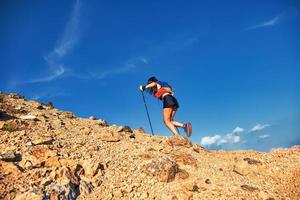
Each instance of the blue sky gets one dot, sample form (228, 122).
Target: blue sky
(235, 65)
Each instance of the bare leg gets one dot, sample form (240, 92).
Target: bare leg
(177, 124)
(167, 115)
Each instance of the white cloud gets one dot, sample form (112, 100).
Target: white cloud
(128, 66)
(238, 130)
(56, 73)
(207, 140)
(71, 33)
(219, 140)
(264, 136)
(69, 38)
(259, 127)
(271, 22)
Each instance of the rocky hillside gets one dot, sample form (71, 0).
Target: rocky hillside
(46, 153)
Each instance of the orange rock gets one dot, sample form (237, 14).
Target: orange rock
(178, 141)
(52, 162)
(28, 196)
(164, 169)
(9, 167)
(184, 158)
(182, 174)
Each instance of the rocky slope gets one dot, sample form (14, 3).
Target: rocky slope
(46, 153)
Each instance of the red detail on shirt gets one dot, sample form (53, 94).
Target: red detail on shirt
(162, 91)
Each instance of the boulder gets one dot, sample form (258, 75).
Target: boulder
(178, 141)
(164, 169)
(184, 158)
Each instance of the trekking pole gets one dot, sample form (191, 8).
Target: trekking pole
(147, 112)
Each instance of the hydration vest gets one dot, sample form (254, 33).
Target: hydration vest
(165, 89)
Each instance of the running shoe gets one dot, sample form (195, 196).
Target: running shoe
(188, 129)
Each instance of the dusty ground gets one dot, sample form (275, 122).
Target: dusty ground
(46, 153)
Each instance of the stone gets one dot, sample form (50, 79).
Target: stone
(91, 168)
(184, 159)
(10, 168)
(207, 181)
(92, 118)
(52, 162)
(86, 131)
(110, 137)
(198, 148)
(249, 188)
(10, 157)
(164, 169)
(178, 141)
(101, 122)
(2, 123)
(28, 117)
(43, 140)
(29, 196)
(182, 174)
(50, 105)
(252, 161)
(69, 115)
(85, 188)
(126, 129)
(140, 131)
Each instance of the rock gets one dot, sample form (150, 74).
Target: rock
(29, 196)
(15, 96)
(2, 123)
(144, 195)
(10, 126)
(140, 131)
(126, 129)
(68, 115)
(252, 161)
(28, 117)
(110, 137)
(9, 168)
(50, 105)
(178, 141)
(10, 157)
(182, 174)
(198, 148)
(207, 181)
(91, 168)
(86, 131)
(101, 122)
(85, 188)
(43, 140)
(164, 169)
(184, 158)
(37, 157)
(92, 118)
(52, 162)
(249, 188)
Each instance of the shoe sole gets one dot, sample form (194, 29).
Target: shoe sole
(189, 129)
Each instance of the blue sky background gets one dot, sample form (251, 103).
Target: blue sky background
(235, 65)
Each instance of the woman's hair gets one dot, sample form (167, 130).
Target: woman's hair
(152, 79)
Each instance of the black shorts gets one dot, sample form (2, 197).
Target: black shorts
(170, 101)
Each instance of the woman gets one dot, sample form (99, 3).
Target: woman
(163, 92)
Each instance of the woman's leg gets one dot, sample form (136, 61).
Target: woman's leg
(177, 124)
(167, 115)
